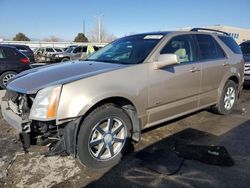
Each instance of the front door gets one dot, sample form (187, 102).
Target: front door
(174, 89)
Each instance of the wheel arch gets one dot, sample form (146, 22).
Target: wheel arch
(234, 77)
(126, 105)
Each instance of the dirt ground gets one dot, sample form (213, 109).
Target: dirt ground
(204, 128)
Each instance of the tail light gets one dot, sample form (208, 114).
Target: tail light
(25, 60)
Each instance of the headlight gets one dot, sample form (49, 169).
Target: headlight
(45, 104)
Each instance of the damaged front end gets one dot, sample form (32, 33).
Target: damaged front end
(61, 140)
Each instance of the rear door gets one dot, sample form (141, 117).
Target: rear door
(174, 89)
(214, 65)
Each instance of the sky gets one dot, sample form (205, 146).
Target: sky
(40, 19)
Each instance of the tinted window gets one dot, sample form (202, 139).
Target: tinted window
(182, 46)
(23, 48)
(77, 50)
(84, 49)
(10, 53)
(230, 42)
(245, 47)
(220, 52)
(49, 50)
(1, 54)
(58, 50)
(209, 48)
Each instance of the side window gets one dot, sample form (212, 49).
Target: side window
(10, 53)
(84, 49)
(230, 42)
(182, 46)
(2, 56)
(220, 51)
(49, 50)
(77, 50)
(209, 48)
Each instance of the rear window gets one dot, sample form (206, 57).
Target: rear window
(230, 42)
(23, 48)
(209, 48)
(245, 48)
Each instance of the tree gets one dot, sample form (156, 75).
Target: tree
(21, 37)
(81, 38)
(105, 35)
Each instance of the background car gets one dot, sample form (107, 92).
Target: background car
(12, 62)
(72, 53)
(44, 54)
(25, 50)
(245, 48)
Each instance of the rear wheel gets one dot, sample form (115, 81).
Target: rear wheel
(104, 137)
(227, 99)
(5, 77)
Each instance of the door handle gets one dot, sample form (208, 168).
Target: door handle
(225, 64)
(194, 69)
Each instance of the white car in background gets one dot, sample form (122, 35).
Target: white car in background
(44, 54)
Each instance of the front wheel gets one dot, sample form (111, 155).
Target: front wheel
(227, 99)
(65, 59)
(104, 136)
(5, 77)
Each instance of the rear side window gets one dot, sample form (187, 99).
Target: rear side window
(230, 42)
(209, 48)
(9, 53)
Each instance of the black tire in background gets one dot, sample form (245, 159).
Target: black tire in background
(65, 59)
(5, 77)
(222, 107)
(91, 127)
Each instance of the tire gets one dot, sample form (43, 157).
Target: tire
(5, 77)
(100, 145)
(65, 59)
(227, 99)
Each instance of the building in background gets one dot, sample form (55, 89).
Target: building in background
(239, 34)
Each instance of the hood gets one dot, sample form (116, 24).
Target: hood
(29, 82)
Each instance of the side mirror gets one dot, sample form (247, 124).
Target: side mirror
(165, 60)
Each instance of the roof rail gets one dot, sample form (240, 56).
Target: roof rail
(206, 29)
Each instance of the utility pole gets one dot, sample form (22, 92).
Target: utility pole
(99, 27)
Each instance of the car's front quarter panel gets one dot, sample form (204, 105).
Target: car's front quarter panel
(79, 96)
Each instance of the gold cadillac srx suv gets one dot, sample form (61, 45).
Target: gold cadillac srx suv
(93, 109)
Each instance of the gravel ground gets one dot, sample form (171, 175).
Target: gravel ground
(204, 128)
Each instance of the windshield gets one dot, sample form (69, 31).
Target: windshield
(245, 48)
(69, 49)
(127, 50)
